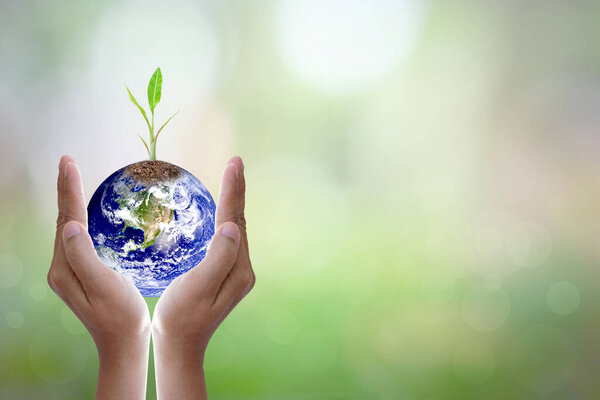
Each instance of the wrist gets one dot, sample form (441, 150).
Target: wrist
(123, 366)
(188, 348)
(121, 347)
(179, 366)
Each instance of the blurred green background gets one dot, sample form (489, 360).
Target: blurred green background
(421, 187)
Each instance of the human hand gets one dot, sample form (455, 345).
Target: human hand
(109, 305)
(194, 304)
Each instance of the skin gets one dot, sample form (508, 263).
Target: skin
(116, 315)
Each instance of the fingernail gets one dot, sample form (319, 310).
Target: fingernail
(241, 161)
(63, 161)
(71, 230)
(66, 169)
(230, 231)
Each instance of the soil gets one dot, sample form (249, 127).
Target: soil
(153, 171)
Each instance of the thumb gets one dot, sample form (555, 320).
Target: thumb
(221, 255)
(80, 252)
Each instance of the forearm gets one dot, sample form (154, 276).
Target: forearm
(123, 368)
(179, 368)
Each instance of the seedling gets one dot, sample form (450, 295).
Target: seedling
(154, 94)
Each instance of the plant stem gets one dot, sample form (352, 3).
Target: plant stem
(153, 151)
(152, 141)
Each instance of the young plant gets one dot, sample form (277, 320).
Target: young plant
(154, 92)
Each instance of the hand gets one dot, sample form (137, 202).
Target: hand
(109, 305)
(194, 304)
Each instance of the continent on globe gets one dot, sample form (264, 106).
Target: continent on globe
(151, 221)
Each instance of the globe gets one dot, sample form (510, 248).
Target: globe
(151, 221)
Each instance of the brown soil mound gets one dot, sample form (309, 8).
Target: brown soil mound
(153, 171)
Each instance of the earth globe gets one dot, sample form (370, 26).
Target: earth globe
(151, 221)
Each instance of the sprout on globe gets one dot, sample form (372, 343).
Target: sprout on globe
(151, 220)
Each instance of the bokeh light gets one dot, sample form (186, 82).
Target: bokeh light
(15, 319)
(341, 45)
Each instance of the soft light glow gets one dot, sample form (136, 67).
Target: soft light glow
(338, 45)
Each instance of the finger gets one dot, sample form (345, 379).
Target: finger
(219, 259)
(68, 287)
(74, 202)
(227, 202)
(60, 184)
(237, 160)
(81, 256)
(243, 262)
(241, 213)
(65, 159)
(61, 277)
(70, 200)
(232, 201)
(58, 259)
(231, 208)
(234, 289)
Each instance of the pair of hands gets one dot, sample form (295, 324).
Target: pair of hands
(114, 312)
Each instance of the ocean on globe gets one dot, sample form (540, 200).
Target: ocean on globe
(151, 221)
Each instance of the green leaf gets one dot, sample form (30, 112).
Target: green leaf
(163, 125)
(134, 101)
(145, 144)
(154, 89)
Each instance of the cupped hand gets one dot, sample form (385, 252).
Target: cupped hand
(109, 305)
(194, 304)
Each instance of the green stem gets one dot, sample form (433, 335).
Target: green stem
(153, 151)
(152, 141)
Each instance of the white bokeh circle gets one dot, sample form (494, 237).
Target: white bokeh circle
(339, 45)
(15, 319)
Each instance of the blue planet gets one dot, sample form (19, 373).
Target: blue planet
(151, 221)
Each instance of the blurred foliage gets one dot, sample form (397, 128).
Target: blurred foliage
(422, 226)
